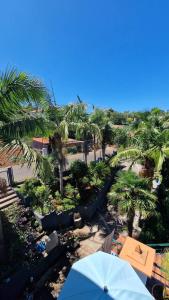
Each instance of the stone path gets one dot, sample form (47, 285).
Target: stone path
(91, 244)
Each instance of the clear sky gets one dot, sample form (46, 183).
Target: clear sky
(113, 53)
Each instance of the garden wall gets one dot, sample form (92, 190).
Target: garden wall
(2, 246)
(61, 220)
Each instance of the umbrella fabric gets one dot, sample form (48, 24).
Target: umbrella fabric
(101, 276)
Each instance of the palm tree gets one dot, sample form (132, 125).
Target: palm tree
(81, 123)
(17, 91)
(86, 130)
(131, 193)
(101, 119)
(62, 119)
(57, 138)
(151, 144)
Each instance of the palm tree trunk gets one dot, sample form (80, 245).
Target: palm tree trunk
(130, 220)
(57, 146)
(61, 177)
(103, 151)
(85, 157)
(85, 149)
(94, 147)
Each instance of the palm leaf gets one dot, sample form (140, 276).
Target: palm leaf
(131, 153)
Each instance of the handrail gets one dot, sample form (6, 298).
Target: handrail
(159, 245)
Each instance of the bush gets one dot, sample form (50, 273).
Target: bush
(121, 137)
(99, 171)
(72, 150)
(71, 192)
(70, 200)
(78, 170)
(154, 230)
(41, 201)
(28, 188)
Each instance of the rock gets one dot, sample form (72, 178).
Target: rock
(83, 232)
(64, 270)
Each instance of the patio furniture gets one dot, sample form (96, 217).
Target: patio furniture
(103, 276)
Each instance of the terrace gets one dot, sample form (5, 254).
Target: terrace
(143, 258)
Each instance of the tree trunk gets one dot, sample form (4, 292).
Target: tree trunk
(85, 150)
(130, 220)
(85, 157)
(94, 147)
(61, 177)
(57, 147)
(103, 151)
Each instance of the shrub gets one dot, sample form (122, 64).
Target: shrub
(71, 192)
(72, 150)
(121, 137)
(99, 171)
(78, 170)
(41, 201)
(28, 188)
(69, 203)
(154, 230)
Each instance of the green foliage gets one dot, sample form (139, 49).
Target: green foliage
(99, 171)
(71, 192)
(49, 173)
(29, 187)
(154, 229)
(72, 150)
(165, 265)
(42, 199)
(131, 193)
(38, 193)
(121, 137)
(78, 170)
(18, 89)
(69, 201)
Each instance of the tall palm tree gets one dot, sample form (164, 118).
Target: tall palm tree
(131, 193)
(17, 91)
(86, 130)
(62, 119)
(101, 119)
(81, 122)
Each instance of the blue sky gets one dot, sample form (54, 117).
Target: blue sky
(113, 53)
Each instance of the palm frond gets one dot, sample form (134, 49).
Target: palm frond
(26, 126)
(18, 88)
(23, 153)
(128, 154)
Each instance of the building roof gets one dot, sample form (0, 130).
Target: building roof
(139, 255)
(41, 140)
(68, 142)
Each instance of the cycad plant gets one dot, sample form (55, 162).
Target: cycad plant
(131, 193)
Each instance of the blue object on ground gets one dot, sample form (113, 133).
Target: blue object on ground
(103, 276)
(41, 246)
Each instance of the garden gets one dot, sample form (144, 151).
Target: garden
(131, 184)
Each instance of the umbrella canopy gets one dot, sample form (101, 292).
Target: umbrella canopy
(103, 276)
